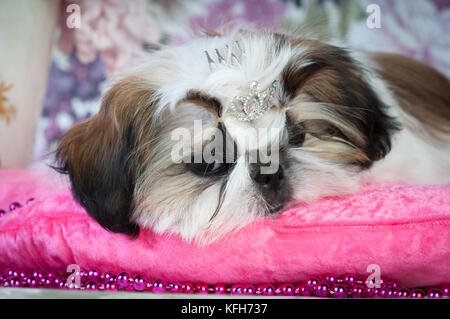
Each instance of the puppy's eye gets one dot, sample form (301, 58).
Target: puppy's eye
(296, 133)
(209, 169)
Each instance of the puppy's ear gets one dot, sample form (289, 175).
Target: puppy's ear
(329, 75)
(102, 155)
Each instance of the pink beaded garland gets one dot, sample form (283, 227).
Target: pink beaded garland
(122, 280)
(339, 291)
(266, 290)
(159, 286)
(188, 288)
(445, 290)
(315, 286)
(175, 287)
(417, 293)
(357, 291)
(139, 283)
(248, 290)
(322, 289)
(236, 289)
(220, 289)
(14, 206)
(201, 288)
(302, 290)
(328, 285)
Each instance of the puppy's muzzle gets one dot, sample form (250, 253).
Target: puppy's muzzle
(272, 186)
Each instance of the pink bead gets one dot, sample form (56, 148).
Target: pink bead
(37, 275)
(434, 294)
(109, 277)
(31, 282)
(391, 292)
(139, 283)
(369, 292)
(110, 286)
(50, 276)
(2, 213)
(220, 289)
(286, 289)
(12, 273)
(317, 277)
(340, 291)
(14, 282)
(122, 280)
(302, 290)
(358, 291)
(322, 290)
(445, 290)
(248, 290)
(159, 286)
(268, 290)
(56, 282)
(278, 289)
(14, 206)
(93, 275)
(175, 287)
(62, 284)
(391, 284)
(91, 285)
(236, 289)
(312, 282)
(188, 288)
(417, 294)
(331, 279)
(403, 293)
(45, 282)
(201, 288)
(380, 292)
(350, 280)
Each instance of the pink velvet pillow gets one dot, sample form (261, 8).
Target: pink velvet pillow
(403, 229)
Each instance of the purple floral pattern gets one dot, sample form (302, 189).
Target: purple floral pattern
(419, 29)
(262, 13)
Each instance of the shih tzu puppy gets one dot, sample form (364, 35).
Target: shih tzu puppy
(207, 136)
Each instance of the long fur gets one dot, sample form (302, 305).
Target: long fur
(349, 120)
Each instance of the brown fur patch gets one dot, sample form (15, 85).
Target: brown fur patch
(347, 123)
(204, 100)
(104, 155)
(421, 91)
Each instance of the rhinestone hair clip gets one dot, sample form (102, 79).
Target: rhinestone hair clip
(234, 60)
(257, 102)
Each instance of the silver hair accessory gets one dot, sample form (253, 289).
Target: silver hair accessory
(233, 60)
(255, 104)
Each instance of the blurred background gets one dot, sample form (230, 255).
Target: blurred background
(69, 62)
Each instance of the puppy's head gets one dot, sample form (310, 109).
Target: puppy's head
(167, 152)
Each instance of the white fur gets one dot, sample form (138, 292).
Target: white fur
(167, 204)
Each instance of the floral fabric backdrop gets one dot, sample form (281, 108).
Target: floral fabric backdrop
(114, 32)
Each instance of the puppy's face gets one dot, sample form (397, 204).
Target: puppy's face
(166, 152)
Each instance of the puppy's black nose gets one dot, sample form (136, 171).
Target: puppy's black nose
(270, 181)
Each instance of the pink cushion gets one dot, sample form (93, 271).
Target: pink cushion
(403, 229)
